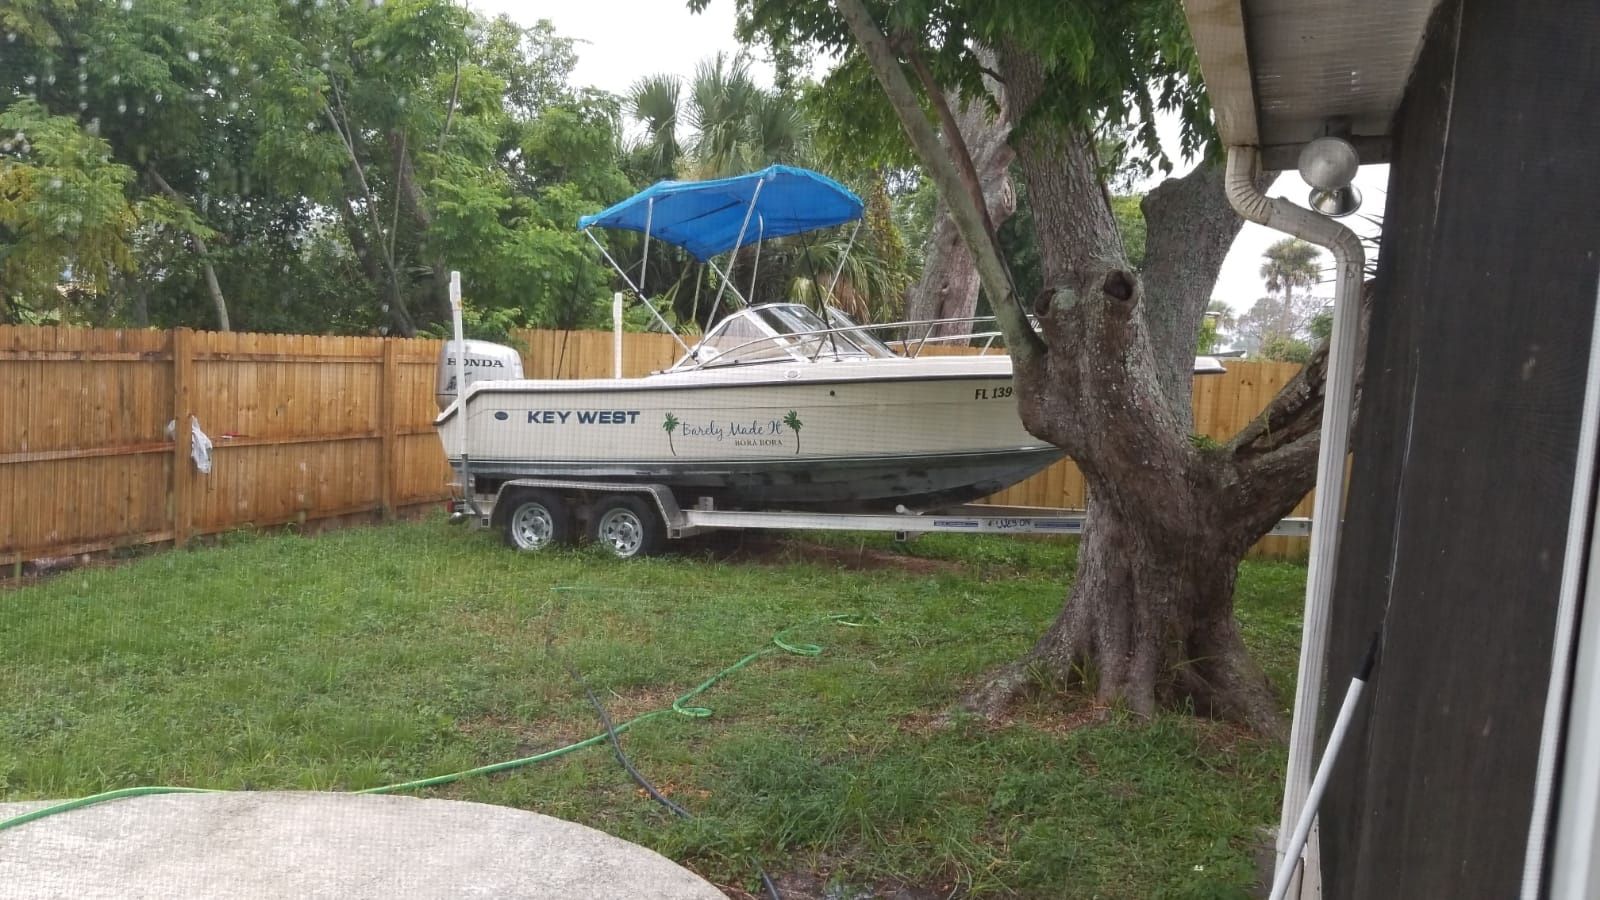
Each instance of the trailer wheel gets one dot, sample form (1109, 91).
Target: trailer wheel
(537, 519)
(628, 527)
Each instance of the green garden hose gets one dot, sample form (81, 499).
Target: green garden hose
(778, 644)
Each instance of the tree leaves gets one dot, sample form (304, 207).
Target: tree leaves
(64, 217)
(1111, 65)
(335, 156)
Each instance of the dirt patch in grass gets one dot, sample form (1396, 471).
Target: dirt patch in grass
(532, 737)
(622, 706)
(820, 885)
(769, 550)
(1058, 719)
(1050, 718)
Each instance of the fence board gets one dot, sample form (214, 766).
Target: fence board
(308, 427)
(183, 409)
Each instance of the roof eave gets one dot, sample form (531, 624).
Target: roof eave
(1217, 28)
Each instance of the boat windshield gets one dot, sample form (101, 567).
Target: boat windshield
(784, 331)
(859, 335)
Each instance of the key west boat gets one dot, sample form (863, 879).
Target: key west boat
(779, 405)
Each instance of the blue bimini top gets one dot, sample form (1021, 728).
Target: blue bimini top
(704, 217)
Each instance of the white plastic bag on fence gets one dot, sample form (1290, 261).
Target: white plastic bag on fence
(199, 444)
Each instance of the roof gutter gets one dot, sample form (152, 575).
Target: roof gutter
(1350, 260)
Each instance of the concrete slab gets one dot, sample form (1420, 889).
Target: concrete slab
(314, 845)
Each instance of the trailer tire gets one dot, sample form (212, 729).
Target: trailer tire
(627, 527)
(536, 520)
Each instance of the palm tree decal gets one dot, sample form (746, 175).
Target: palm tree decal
(793, 421)
(669, 425)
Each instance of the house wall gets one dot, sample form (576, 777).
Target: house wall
(1465, 450)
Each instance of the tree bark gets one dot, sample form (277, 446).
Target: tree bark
(1189, 228)
(213, 287)
(140, 313)
(948, 287)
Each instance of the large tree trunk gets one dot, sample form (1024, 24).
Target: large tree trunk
(1149, 618)
(1152, 613)
(948, 287)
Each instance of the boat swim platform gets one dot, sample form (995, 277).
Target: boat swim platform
(324, 845)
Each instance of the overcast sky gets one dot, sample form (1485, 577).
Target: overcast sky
(622, 40)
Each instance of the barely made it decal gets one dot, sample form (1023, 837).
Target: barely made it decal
(751, 433)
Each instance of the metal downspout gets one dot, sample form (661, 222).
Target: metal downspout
(1350, 259)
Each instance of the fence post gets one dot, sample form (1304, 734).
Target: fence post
(388, 428)
(182, 439)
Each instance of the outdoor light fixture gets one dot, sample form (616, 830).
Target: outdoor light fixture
(1329, 164)
(1338, 202)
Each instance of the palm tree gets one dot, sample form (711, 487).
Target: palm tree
(734, 124)
(653, 100)
(669, 425)
(793, 421)
(1283, 315)
(1223, 316)
(1289, 264)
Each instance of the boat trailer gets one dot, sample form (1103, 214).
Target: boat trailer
(638, 519)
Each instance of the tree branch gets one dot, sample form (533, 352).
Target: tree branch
(1025, 345)
(370, 266)
(1274, 458)
(960, 153)
(991, 73)
(450, 113)
(1189, 229)
(396, 303)
(394, 217)
(213, 287)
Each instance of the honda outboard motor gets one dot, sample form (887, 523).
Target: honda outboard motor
(482, 361)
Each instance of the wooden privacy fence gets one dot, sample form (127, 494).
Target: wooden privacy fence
(308, 427)
(303, 428)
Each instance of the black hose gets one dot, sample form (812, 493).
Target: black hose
(639, 779)
(616, 748)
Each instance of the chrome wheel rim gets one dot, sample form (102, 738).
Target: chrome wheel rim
(532, 526)
(622, 532)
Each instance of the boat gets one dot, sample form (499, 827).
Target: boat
(779, 406)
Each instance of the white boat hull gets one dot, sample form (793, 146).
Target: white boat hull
(849, 435)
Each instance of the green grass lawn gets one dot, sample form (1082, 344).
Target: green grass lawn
(375, 655)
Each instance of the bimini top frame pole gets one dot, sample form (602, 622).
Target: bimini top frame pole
(755, 267)
(839, 269)
(737, 243)
(636, 291)
(644, 264)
